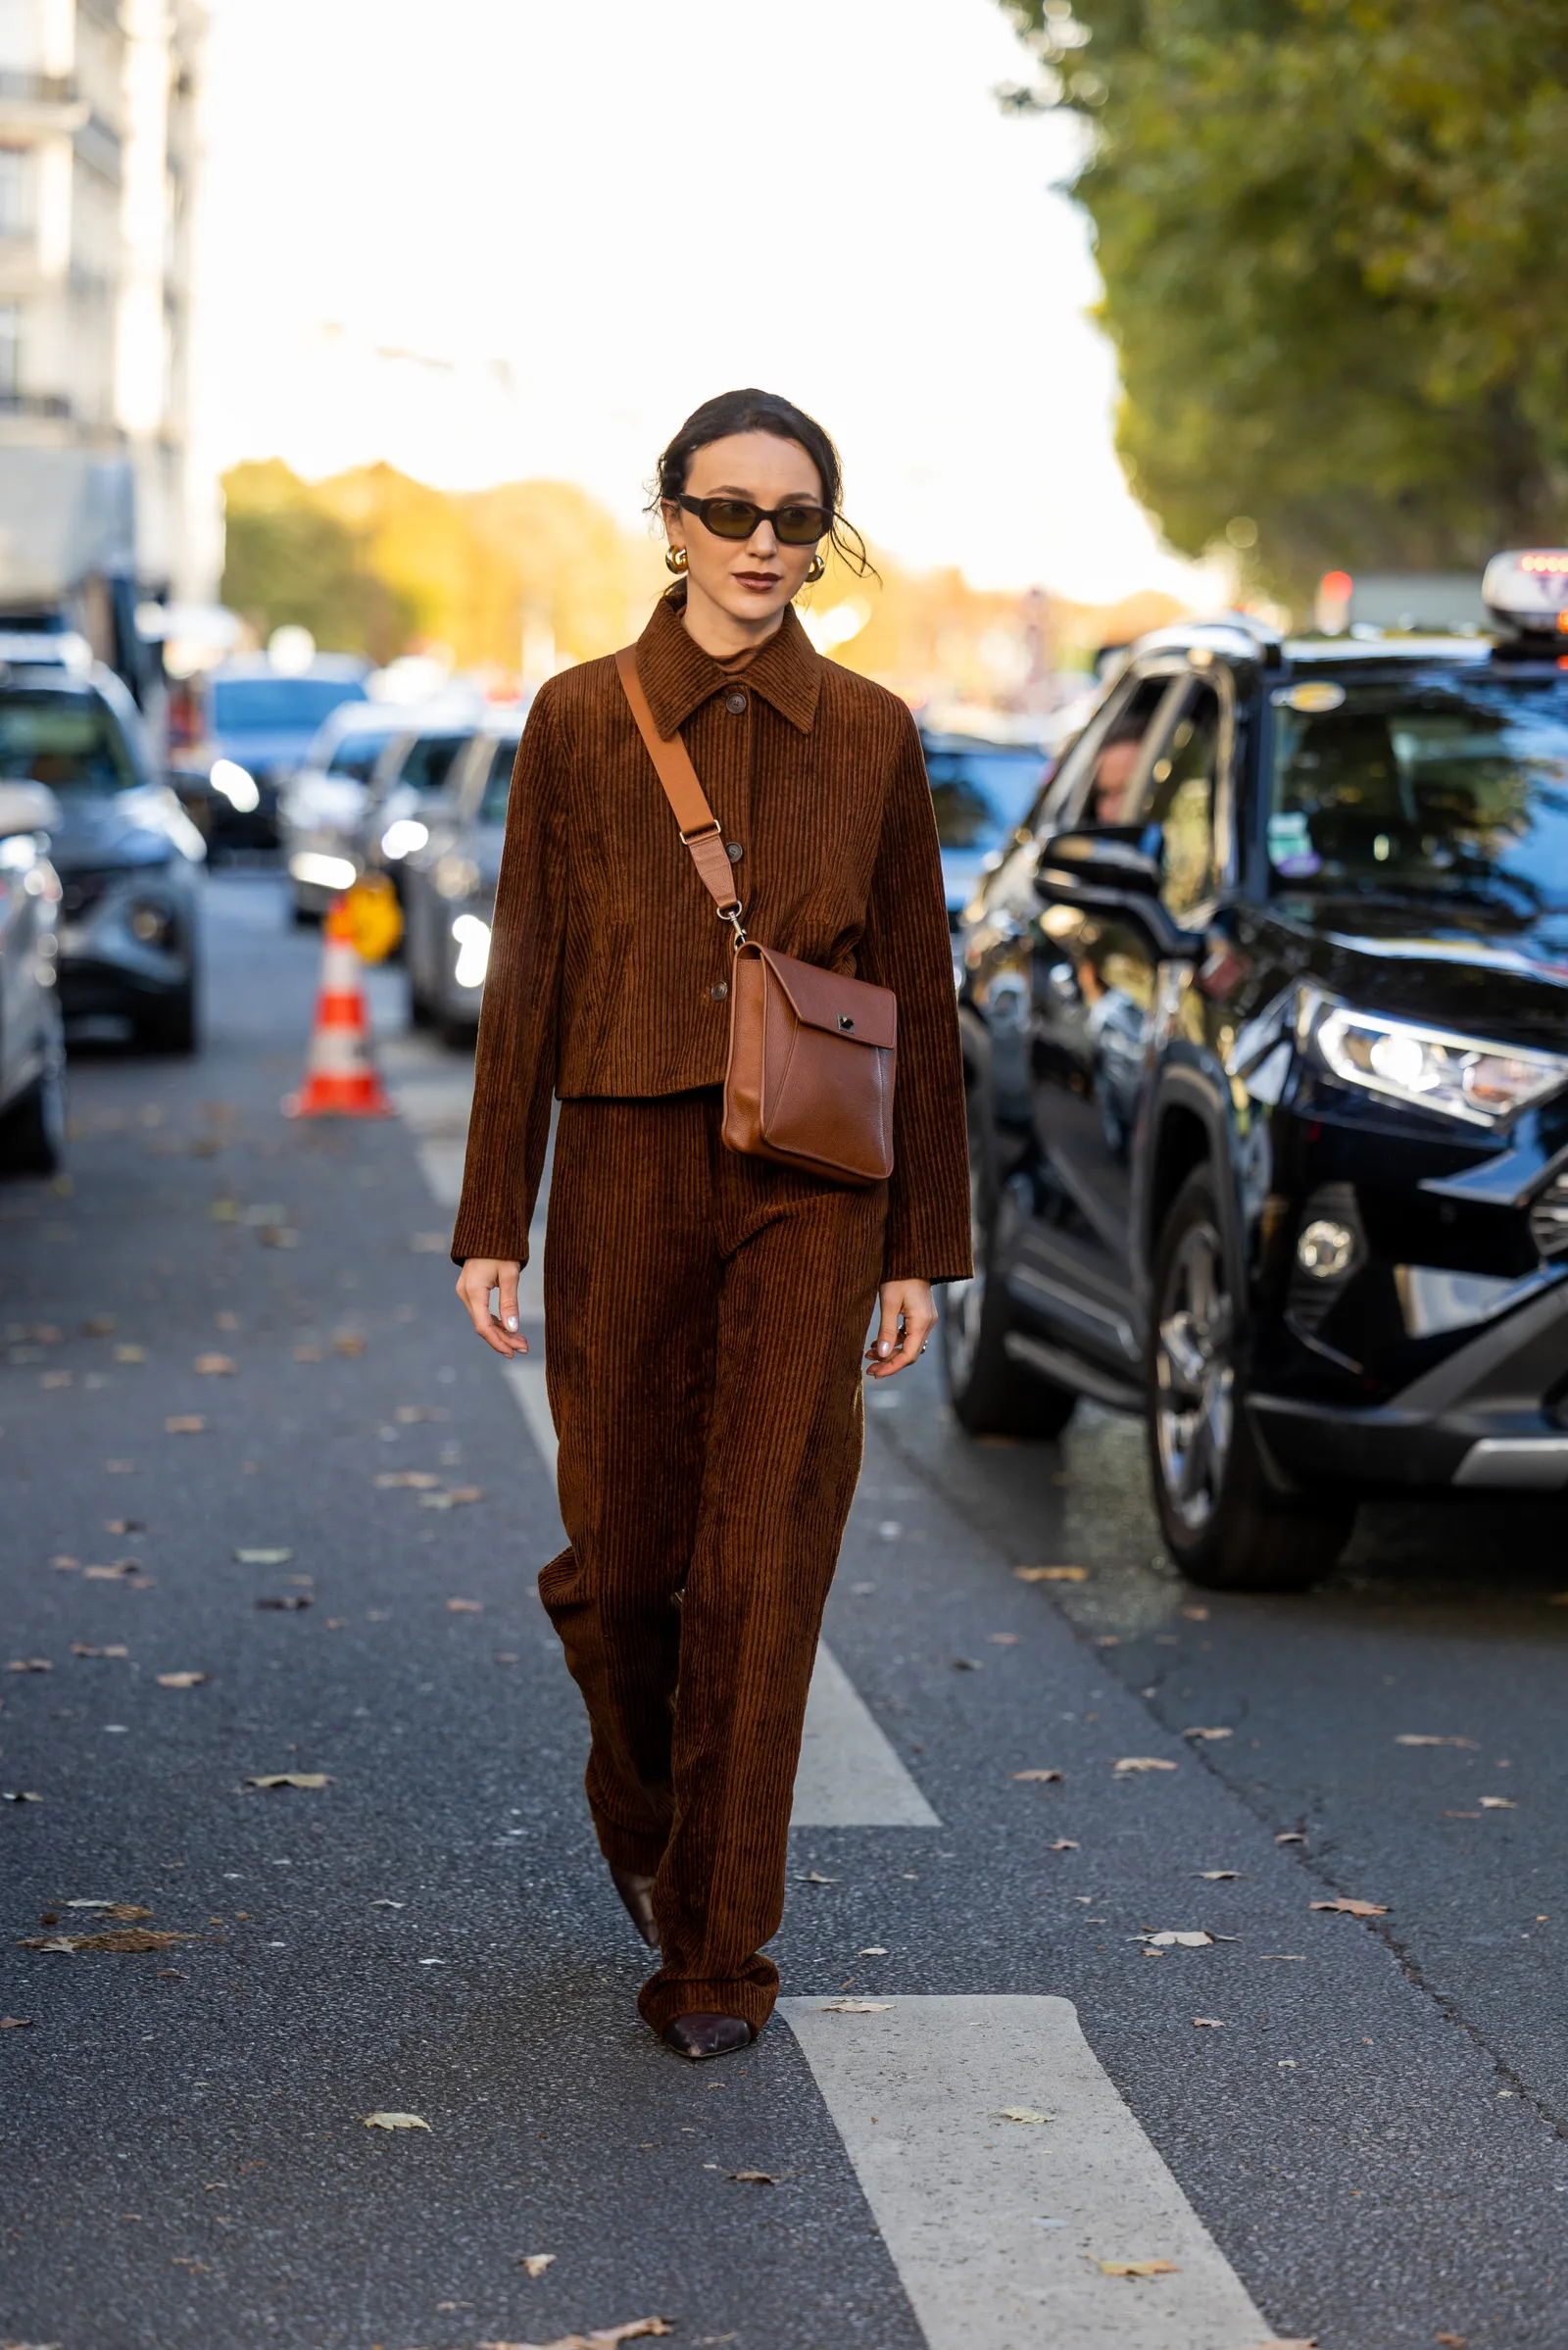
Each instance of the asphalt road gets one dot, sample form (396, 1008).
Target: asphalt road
(1368, 2127)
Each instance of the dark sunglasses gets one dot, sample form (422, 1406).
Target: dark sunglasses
(738, 517)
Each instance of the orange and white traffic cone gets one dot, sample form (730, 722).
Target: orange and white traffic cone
(341, 1081)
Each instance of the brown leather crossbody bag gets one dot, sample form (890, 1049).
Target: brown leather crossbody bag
(809, 1081)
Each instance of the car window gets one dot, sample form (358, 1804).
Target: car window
(981, 793)
(356, 755)
(429, 761)
(1100, 776)
(69, 741)
(1180, 797)
(247, 704)
(498, 782)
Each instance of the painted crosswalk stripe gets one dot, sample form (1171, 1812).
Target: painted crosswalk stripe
(997, 2228)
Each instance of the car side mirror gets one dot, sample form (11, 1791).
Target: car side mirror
(28, 807)
(1109, 858)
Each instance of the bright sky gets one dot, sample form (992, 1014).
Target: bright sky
(498, 238)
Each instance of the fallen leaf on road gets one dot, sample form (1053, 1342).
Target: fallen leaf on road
(1218, 1876)
(98, 1326)
(348, 1341)
(1052, 1574)
(1004, 1639)
(264, 1558)
(453, 1498)
(1021, 2113)
(126, 1911)
(224, 1211)
(278, 1236)
(114, 1571)
(289, 1778)
(416, 1479)
(1451, 2342)
(1308, 2341)
(187, 1423)
(874, 1950)
(131, 1354)
(409, 1415)
(1144, 1762)
(1140, 2268)
(855, 2007)
(1353, 1909)
(181, 1681)
(1065, 1843)
(217, 1366)
(813, 1876)
(29, 1664)
(384, 1903)
(16, 2022)
(124, 1525)
(1496, 1803)
(1293, 1957)
(1415, 1737)
(1041, 1776)
(1208, 1734)
(605, 2338)
(1197, 1615)
(1209, 2023)
(535, 2263)
(64, 1564)
(21, 1795)
(129, 1937)
(290, 1604)
(966, 1664)
(753, 2178)
(464, 1607)
(1170, 1939)
(391, 2121)
(1291, 1835)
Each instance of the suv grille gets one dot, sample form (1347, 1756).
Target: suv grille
(80, 892)
(1549, 1217)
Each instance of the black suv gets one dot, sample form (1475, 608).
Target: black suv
(1265, 1028)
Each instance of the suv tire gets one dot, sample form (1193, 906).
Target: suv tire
(991, 1394)
(33, 1131)
(1224, 1524)
(171, 1026)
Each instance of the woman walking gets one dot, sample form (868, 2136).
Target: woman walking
(705, 1306)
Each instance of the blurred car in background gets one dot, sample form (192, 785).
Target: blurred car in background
(982, 793)
(320, 815)
(32, 1121)
(126, 854)
(449, 881)
(258, 724)
(408, 780)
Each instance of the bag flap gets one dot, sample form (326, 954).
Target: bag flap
(818, 999)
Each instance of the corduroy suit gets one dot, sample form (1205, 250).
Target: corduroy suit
(704, 1312)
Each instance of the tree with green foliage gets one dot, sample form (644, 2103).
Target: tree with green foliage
(288, 557)
(1329, 232)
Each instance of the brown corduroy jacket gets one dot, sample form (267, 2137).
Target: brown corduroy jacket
(607, 968)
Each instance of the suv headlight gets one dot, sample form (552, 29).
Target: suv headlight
(1427, 1068)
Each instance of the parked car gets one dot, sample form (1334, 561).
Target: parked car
(322, 812)
(982, 792)
(408, 780)
(449, 882)
(258, 722)
(126, 854)
(1264, 1035)
(32, 1124)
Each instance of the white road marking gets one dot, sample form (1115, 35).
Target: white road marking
(525, 1376)
(997, 2229)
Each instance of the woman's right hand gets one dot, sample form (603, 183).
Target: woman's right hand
(481, 1275)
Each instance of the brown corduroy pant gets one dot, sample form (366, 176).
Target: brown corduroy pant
(705, 1315)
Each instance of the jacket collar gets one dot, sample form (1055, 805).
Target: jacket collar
(678, 676)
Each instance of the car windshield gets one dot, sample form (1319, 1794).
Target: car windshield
(498, 783)
(69, 741)
(1449, 787)
(981, 792)
(276, 704)
(356, 754)
(429, 761)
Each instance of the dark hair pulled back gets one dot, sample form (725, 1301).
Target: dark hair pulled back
(754, 411)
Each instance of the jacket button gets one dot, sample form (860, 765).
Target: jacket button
(734, 852)
(721, 991)
(735, 700)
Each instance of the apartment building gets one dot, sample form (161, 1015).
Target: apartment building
(99, 155)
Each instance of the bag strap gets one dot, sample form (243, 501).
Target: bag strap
(699, 826)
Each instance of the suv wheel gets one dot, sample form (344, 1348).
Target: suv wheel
(991, 1394)
(1223, 1523)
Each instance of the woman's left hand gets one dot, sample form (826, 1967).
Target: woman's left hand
(909, 1303)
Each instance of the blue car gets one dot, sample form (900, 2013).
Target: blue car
(260, 723)
(982, 792)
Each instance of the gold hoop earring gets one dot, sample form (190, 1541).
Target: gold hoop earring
(818, 567)
(675, 559)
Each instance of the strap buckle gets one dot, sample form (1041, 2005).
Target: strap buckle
(703, 832)
(732, 915)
